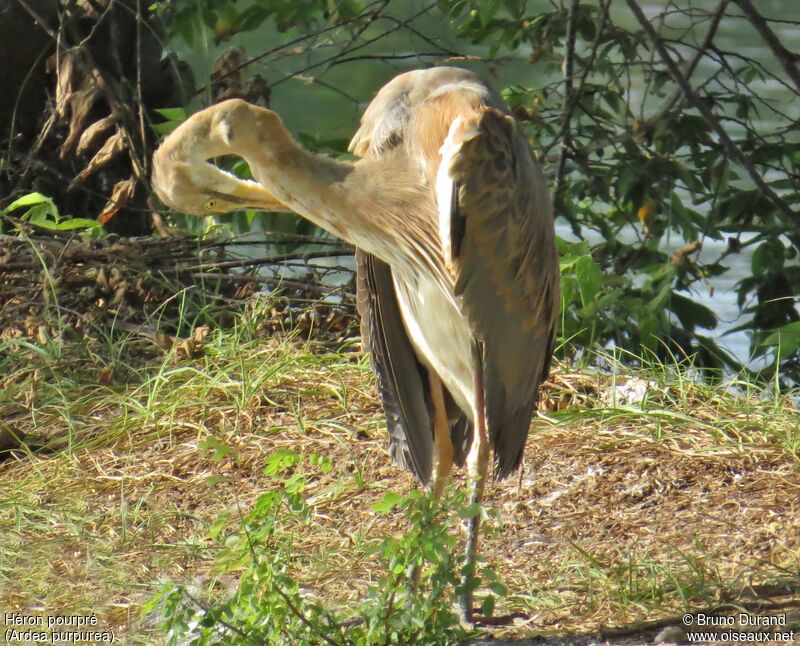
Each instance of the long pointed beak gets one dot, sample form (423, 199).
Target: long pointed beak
(251, 195)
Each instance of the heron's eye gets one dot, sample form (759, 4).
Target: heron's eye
(210, 204)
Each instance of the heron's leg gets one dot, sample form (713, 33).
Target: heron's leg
(442, 449)
(477, 467)
(442, 442)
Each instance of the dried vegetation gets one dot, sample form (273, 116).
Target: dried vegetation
(641, 496)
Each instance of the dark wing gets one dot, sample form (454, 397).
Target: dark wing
(505, 268)
(402, 379)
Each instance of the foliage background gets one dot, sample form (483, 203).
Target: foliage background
(659, 135)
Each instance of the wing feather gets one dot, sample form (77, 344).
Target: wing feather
(505, 270)
(497, 247)
(402, 379)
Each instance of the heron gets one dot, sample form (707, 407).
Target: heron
(457, 268)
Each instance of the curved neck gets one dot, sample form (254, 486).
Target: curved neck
(379, 205)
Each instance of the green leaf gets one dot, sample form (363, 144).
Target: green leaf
(589, 279)
(211, 445)
(172, 114)
(768, 257)
(692, 314)
(487, 10)
(174, 117)
(627, 179)
(321, 461)
(721, 174)
(77, 223)
(279, 461)
(295, 484)
(31, 199)
(266, 503)
(164, 128)
(470, 511)
(38, 216)
(787, 337)
(659, 302)
(213, 481)
(348, 9)
(389, 502)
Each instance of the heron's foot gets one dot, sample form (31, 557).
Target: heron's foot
(474, 620)
(414, 573)
(465, 601)
(470, 618)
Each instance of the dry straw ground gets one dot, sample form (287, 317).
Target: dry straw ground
(628, 511)
(619, 516)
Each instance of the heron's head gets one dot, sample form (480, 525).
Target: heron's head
(186, 181)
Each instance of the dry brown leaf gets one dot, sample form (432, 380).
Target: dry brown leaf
(119, 294)
(64, 65)
(258, 89)
(226, 69)
(101, 279)
(114, 145)
(115, 278)
(123, 191)
(680, 256)
(163, 341)
(201, 333)
(106, 376)
(80, 103)
(91, 136)
(190, 347)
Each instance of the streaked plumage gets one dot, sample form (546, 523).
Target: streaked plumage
(457, 267)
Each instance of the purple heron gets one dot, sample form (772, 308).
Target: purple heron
(458, 280)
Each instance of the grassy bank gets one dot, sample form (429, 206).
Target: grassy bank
(642, 495)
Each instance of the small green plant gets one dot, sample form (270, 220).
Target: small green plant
(415, 601)
(397, 611)
(42, 212)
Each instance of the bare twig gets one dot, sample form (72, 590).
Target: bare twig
(731, 149)
(422, 36)
(139, 99)
(272, 260)
(368, 12)
(219, 620)
(310, 287)
(786, 58)
(388, 57)
(669, 104)
(698, 55)
(336, 58)
(569, 106)
(38, 18)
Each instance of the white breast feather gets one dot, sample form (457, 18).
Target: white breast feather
(439, 334)
(444, 192)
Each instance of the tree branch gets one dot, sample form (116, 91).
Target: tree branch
(698, 55)
(336, 58)
(730, 147)
(786, 58)
(569, 106)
